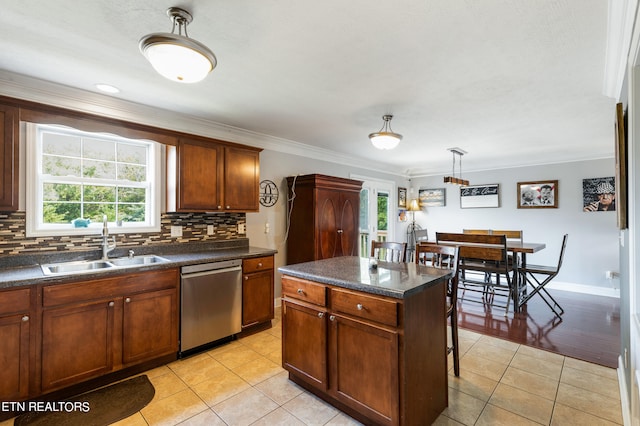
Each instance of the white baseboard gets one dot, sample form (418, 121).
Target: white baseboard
(624, 400)
(583, 288)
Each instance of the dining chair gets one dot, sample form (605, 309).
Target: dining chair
(445, 257)
(481, 258)
(389, 251)
(477, 231)
(538, 276)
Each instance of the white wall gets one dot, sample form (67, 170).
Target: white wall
(592, 247)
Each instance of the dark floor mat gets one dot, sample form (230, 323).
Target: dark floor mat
(100, 407)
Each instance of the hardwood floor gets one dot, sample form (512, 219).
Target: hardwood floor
(589, 329)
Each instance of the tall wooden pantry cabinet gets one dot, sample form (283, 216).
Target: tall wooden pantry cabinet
(324, 217)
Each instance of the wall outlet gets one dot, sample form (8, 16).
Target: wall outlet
(176, 231)
(242, 228)
(210, 229)
(610, 274)
(267, 228)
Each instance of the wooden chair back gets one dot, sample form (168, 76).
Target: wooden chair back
(477, 231)
(389, 251)
(477, 246)
(510, 234)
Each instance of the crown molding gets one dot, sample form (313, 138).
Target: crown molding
(621, 19)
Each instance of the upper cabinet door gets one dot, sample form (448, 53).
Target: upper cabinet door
(8, 158)
(200, 176)
(216, 177)
(241, 179)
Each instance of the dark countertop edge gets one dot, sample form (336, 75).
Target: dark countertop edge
(32, 275)
(291, 270)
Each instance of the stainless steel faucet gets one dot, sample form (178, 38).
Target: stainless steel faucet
(106, 247)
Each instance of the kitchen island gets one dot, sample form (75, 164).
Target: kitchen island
(370, 342)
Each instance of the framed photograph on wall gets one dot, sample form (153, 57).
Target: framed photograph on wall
(621, 167)
(402, 198)
(599, 194)
(480, 196)
(538, 194)
(434, 197)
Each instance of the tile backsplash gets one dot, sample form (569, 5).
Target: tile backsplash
(13, 238)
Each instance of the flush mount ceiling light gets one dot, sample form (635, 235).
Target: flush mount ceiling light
(452, 179)
(176, 56)
(385, 138)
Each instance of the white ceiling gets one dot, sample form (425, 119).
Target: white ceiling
(512, 82)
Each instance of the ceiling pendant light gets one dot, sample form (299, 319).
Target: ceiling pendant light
(453, 179)
(385, 138)
(176, 56)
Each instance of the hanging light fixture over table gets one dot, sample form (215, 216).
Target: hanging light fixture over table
(453, 179)
(385, 138)
(176, 56)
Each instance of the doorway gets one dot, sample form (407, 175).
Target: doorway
(376, 218)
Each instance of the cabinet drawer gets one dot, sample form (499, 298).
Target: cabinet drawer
(307, 291)
(257, 264)
(367, 307)
(15, 301)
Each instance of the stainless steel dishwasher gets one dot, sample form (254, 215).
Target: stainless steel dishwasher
(211, 303)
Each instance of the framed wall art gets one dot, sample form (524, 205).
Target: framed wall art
(599, 194)
(538, 194)
(434, 197)
(621, 167)
(480, 196)
(402, 198)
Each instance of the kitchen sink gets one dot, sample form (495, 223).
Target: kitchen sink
(75, 267)
(139, 260)
(86, 266)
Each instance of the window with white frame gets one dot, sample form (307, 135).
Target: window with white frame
(76, 178)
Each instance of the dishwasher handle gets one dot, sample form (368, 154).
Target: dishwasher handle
(211, 272)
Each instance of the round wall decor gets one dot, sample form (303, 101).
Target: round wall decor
(268, 193)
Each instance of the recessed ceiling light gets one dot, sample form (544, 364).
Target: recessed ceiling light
(107, 88)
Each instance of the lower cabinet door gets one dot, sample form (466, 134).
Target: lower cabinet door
(150, 325)
(257, 298)
(77, 343)
(364, 368)
(304, 336)
(14, 357)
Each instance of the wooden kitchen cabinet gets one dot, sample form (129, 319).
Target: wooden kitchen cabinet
(215, 177)
(9, 127)
(91, 328)
(346, 352)
(324, 217)
(257, 291)
(15, 331)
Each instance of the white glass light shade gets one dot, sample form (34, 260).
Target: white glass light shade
(178, 58)
(385, 140)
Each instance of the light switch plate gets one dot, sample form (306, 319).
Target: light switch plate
(209, 229)
(241, 228)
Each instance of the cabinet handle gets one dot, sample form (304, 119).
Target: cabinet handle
(259, 264)
(25, 318)
(320, 314)
(246, 278)
(332, 318)
(127, 300)
(219, 207)
(300, 291)
(228, 207)
(111, 304)
(339, 231)
(359, 306)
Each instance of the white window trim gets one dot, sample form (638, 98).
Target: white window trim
(33, 198)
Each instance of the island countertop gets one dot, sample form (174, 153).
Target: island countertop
(398, 280)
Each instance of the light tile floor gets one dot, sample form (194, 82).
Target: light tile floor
(501, 383)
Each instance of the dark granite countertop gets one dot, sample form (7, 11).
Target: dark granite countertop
(398, 280)
(19, 270)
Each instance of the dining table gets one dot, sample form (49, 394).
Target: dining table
(519, 249)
